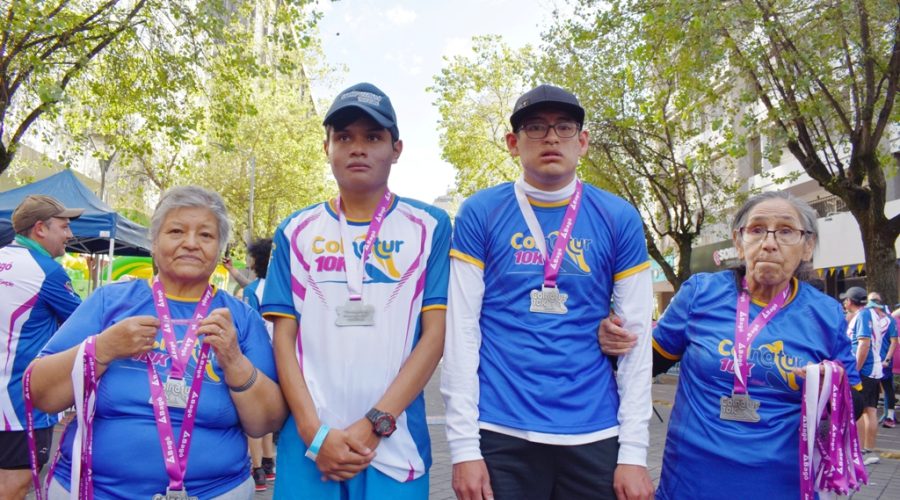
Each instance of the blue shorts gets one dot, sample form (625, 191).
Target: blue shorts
(298, 477)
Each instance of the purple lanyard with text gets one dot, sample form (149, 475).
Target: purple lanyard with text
(87, 446)
(553, 263)
(176, 460)
(179, 356)
(40, 490)
(356, 273)
(744, 335)
(830, 461)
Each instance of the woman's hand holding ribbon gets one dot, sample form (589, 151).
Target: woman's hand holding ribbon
(128, 338)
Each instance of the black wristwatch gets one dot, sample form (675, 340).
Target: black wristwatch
(383, 423)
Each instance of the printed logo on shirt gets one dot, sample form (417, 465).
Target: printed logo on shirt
(527, 254)
(6, 266)
(381, 266)
(160, 358)
(774, 365)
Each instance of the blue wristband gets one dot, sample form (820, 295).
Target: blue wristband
(313, 451)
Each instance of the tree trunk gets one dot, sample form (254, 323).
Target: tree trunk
(881, 258)
(6, 157)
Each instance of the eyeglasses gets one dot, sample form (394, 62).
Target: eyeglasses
(539, 130)
(783, 235)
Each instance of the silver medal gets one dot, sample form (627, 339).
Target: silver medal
(739, 407)
(355, 313)
(548, 300)
(176, 393)
(174, 495)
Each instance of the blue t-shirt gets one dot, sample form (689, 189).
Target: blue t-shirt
(128, 459)
(36, 296)
(545, 372)
(707, 457)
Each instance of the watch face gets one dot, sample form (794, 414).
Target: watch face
(384, 425)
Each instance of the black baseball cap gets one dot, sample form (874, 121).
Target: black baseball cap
(368, 99)
(545, 96)
(856, 294)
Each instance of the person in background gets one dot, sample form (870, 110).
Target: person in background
(177, 361)
(36, 296)
(888, 325)
(240, 278)
(262, 450)
(734, 427)
(871, 342)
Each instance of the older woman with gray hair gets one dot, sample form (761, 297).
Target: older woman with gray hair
(178, 370)
(742, 337)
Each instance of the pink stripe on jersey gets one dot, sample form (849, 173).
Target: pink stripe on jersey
(296, 287)
(295, 250)
(12, 327)
(423, 236)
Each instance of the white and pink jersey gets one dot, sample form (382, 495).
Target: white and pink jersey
(348, 368)
(35, 297)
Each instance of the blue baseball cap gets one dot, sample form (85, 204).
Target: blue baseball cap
(370, 100)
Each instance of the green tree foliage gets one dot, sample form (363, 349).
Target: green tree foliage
(475, 96)
(658, 136)
(186, 92)
(821, 74)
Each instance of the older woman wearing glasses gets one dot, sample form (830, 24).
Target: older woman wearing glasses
(734, 429)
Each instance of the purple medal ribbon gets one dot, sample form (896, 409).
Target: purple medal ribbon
(179, 356)
(40, 490)
(744, 335)
(86, 481)
(553, 262)
(176, 458)
(355, 274)
(830, 461)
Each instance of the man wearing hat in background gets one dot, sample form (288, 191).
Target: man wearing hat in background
(36, 296)
(357, 290)
(866, 337)
(534, 409)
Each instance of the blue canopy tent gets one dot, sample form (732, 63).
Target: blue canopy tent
(99, 230)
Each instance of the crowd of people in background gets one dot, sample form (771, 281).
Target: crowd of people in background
(318, 372)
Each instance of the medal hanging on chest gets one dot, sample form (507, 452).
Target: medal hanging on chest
(550, 299)
(175, 388)
(355, 312)
(740, 407)
(174, 392)
(174, 495)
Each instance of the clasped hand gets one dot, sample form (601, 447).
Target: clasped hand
(347, 452)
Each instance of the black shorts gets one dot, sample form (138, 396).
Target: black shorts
(14, 448)
(871, 390)
(522, 470)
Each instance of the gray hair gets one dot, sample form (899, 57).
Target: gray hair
(192, 197)
(807, 214)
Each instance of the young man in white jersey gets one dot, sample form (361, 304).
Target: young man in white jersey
(534, 409)
(36, 297)
(357, 291)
